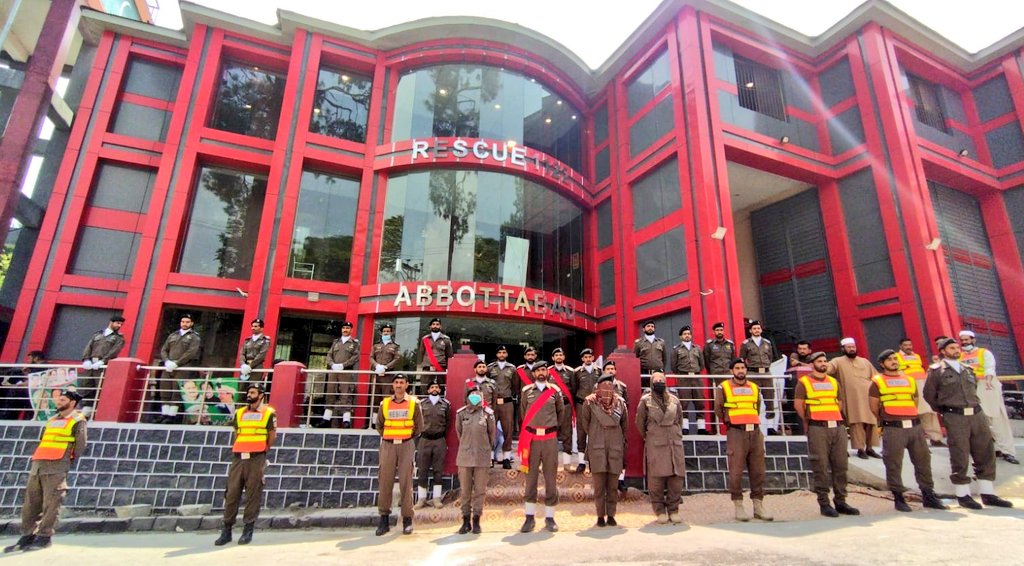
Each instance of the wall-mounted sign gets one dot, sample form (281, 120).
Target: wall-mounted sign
(490, 297)
(490, 150)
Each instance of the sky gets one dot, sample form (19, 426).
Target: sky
(594, 33)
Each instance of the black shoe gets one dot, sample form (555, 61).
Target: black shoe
(528, 525)
(465, 528)
(384, 525)
(406, 525)
(702, 432)
(968, 502)
(224, 538)
(550, 525)
(580, 468)
(600, 521)
(39, 543)
(612, 522)
(476, 524)
(686, 432)
(844, 509)
(1010, 458)
(871, 452)
(22, 543)
(773, 432)
(346, 424)
(992, 500)
(246, 537)
(506, 464)
(901, 503)
(932, 501)
(862, 455)
(828, 511)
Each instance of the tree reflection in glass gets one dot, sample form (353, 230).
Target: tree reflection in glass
(341, 105)
(248, 100)
(324, 225)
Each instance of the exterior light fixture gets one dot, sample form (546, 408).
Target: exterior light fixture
(964, 153)
(934, 244)
(784, 140)
(719, 233)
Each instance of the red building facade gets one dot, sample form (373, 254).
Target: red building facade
(868, 183)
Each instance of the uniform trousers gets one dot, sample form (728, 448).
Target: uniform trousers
(543, 454)
(473, 483)
(395, 459)
(247, 475)
(606, 493)
(505, 412)
(43, 495)
(666, 493)
(826, 448)
(930, 425)
(745, 451)
(340, 390)
(895, 441)
(970, 437)
(430, 455)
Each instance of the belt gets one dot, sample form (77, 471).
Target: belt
(395, 440)
(826, 424)
(761, 370)
(434, 435)
(507, 399)
(249, 454)
(966, 411)
(903, 423)
(743, 427)
(547, 430)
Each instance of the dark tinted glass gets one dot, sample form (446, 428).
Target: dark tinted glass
(248, 100)
(341, 105)
(324, 224)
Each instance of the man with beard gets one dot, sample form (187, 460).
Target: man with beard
(894, 400)
(561, 377)
(659, 419)
(687, 359)
(651, 350)
(104, 346)
(255, 431)
(990, 394)
(584, 381)
(398, 422)
(854, 375)
(506, 388)
(254, 350)
(435, 348)
(758, 352)
(603, 416)
(542, 411)
(737, 404)
(384, 356)
(912, 365)
(718, 351)
(432, 446)
(341, 387)
(181, 348)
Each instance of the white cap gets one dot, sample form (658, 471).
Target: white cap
(847, 341)
(966, 333)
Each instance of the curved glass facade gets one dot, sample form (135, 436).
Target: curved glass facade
(477, 101)
(458, 225)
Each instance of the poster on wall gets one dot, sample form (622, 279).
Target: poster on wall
(210, 401)
(517, 253)
(44, 389)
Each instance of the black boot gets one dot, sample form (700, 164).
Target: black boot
(611, 521)
(476, 524)
(968, 502)
(384, 525)
(993, 500)
(550, 524)
(246, 537)
(22, 543)
(932, 501)
(844, 508)
(827, 510)
(901, 503)
(465, 528)
(506, 464)
(225, 536)
(406, 525)
(528, 525)
(39, 543)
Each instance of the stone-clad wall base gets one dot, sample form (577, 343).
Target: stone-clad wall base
(168, 466)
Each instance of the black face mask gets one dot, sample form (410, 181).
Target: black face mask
(658, 387)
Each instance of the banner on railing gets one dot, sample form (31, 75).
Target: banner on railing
(44, 389)
(210, 401)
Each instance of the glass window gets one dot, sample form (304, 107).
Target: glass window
(648, 83)
(437, 227)
(122, 187)
(101, 252)
(604, 224)
(652, 127)
(656, 195)
(602, 165)
(248, 100)
(606, 274)
(661, 261)
(928, 103)
(324, 224)
(221, 236)
(486, 102)
(155, 80)
(72, 327)
(760, 88)
(220, 333)
(601, 125)
(142, 122)
(341, 105)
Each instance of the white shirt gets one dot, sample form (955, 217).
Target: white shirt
(184, 332)
(540, 385)
(757, 340)
(650, 337)
(345, 339)
(434, 399)
(589, 367)
(435, 335)
(256, 337)
(108, 331)
(688, 345)
(955, 364)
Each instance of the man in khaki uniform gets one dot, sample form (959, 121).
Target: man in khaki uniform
(913, 365)
(718, 351)
(384, 357)
(475, 425)
(818, 400)
(181, 348)
(435, 348)
(399, 421)
(688, 360)
(990, 394)
(341, 387)
(952, 390)
(738, 404)
(62, 444)
(564, 374)
(541, 414)
(894, 399)
(584, 381)
(254, 350)
(651, 350)
(507, 386)
(659, 419)
(854, 375)
(255, 432)
(603, 415)
(758, 352)
(104, 346)
(432, 446)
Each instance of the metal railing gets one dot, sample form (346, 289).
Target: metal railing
(195, 395)
(338, 392)
(30, 391)
(697, 395)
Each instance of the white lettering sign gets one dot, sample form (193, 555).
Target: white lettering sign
(508, 299)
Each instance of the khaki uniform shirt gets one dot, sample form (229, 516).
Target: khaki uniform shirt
(254, 352)
(651, 354)
(946, 387)
(549, 415)
(757, 356)
(477, 430)
(662, 431)
(687, 360)
(606, 434)
(103, 347)
(584, 382)
(443, 350)
(718, 354)
(435, 417)
(506, 381)
(386, 355)
(182, 349)
(346, 354)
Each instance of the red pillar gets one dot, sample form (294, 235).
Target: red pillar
(33, 100)
(627, 370)
(289, 384)
(460, 368)
(123, 392)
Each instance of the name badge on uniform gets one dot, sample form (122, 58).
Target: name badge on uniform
(969, 411)
(244, 456)
(501, 401)
(899, 383)
(825, 386)
(832, 424)
(742, 391)
(748, 428)
(907, 424)
(399, 440)
(540, 432)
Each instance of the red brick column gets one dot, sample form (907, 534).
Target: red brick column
(286, 397)
(460, 368)
(123, 391)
